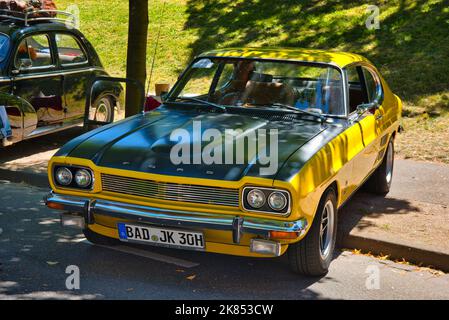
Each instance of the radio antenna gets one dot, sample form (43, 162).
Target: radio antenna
(156, 46)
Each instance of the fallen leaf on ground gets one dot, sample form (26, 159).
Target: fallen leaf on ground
(383, 257)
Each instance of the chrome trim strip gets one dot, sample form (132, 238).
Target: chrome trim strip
(174, 218)
(55, 74)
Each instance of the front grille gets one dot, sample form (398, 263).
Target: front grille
(170, 191)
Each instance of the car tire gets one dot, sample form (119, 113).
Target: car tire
(313, 254)
(380, 181)
(96, 238)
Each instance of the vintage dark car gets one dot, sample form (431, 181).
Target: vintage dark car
(46, 68)
(252, 153)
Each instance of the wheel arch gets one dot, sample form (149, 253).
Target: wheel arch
(107, 88)
(335, 185)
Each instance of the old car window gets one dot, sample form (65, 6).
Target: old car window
(4, 47)
(263, 84)
(34, 52)
(371, 85)
(353, 75)
(69, 50)
(357, 92)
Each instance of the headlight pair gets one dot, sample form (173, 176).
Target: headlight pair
(73, 177)
(266, 200)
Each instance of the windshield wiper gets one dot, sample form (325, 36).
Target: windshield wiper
(203, 102)
(296, 110)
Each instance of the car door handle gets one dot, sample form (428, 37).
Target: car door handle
(379, 117)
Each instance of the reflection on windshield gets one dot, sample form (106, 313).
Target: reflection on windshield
(263, 83)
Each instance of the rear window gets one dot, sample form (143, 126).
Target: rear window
(4, 47)
(69, 50)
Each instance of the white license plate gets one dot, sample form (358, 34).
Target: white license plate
(160, 236)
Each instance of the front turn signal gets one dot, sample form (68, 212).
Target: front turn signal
(281, 235)
(56, 206)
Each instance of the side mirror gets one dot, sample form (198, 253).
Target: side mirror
(365, 107)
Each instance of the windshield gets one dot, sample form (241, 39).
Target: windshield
(4, 47)
(263, 84)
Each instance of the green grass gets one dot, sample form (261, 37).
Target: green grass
(411, 48)
(105, 24)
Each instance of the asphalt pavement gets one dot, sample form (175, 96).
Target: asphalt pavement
(40, 260)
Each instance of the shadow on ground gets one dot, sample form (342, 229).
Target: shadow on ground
(33, 155)
(35, 252)
(364, 204)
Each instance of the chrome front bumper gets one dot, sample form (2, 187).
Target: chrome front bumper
(171, 218)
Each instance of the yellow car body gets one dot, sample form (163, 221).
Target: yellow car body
(344, 161)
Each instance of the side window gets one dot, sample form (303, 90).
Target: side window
(353, 76)
(357, 93)
(34, 52)
(371, 85)
(69, 50)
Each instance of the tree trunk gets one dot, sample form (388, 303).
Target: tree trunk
(136, 67)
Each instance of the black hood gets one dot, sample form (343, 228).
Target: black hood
(142, 143)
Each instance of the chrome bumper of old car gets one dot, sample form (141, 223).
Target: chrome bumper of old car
(88, 208)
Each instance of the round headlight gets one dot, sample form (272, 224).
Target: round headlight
(64, 176)
(83, 178)
(256, 199)
(277, 201)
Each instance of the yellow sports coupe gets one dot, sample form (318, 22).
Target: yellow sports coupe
(251, 153)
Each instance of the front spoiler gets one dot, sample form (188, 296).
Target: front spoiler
(172, 218)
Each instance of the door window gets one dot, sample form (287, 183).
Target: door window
(371, 85)
(357, 93)
(69, 50)
(34, 52)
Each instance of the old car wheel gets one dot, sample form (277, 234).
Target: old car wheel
(380, 181)
(104, 109)
(96, 238)
(313, 255)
